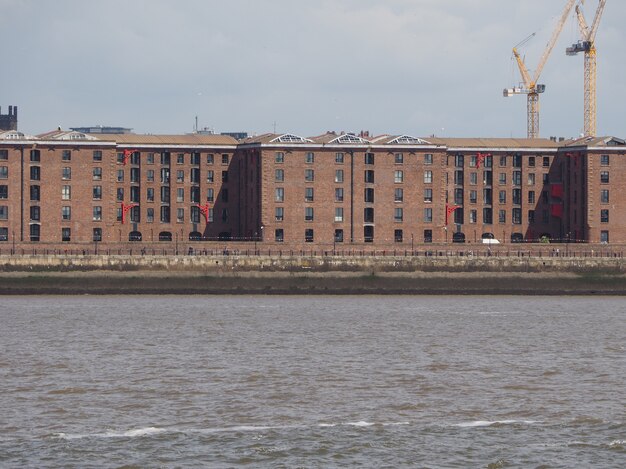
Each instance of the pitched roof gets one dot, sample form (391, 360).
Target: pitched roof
(165, 140)
(15, 135)
(595, 142)
(70, 135)
(400, 140)
(342, 138)
(263, 138)
(512, 143)
(290, 138)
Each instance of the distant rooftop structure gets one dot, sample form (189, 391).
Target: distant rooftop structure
(203, 131)
(236, 135)
(9, 121)
(100, 129)
(210, 131)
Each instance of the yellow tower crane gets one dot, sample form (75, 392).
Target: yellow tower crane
(529, 86)
(588, 46)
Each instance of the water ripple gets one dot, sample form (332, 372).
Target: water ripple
(312, 382)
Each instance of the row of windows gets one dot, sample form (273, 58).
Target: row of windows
(165, 215)
(368, 214)
(502, 216)
(66, 234)
(194, 194)
(194, 175)
(309, 158)
(309, 176)
(165, 158)
(516, 178)
(485, 160)
(368, 235)
(309, 195)
(279, 232)
(66, 214)
(398, 215)
(165, 191)
(502, 196)
(66, 155)
(279, 235)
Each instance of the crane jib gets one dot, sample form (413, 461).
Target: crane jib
(531, 86)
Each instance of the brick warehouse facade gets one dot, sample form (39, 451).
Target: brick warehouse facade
(71, 187)
(67, 188)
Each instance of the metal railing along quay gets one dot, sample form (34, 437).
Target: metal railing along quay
(479, 251)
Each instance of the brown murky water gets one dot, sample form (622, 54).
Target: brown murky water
(312, 382)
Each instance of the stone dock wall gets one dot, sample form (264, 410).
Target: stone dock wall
(223, 264)
(230, 274)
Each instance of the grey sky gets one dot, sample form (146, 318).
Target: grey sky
(418, 67)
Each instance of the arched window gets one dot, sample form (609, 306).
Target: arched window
(458, 238)
(165, 236)
(517, 238)
(195, 236)
(134, 236)
(488, 236)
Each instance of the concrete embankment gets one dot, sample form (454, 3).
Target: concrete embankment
(310, 275)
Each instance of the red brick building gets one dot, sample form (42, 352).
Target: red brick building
(594, 176)
(67, 188)
(72, 187)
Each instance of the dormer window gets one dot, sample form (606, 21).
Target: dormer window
(349, 139)
(290, 138)
(408, 140)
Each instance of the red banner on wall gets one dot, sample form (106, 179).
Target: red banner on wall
(556, 190)
(556, 210)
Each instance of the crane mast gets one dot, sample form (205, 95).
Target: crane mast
(530, 86)
(587, 45)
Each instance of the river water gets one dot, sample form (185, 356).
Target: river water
(369, 381)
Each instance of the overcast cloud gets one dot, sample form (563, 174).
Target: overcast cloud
(418, 67)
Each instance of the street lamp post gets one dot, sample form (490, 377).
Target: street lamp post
(262, 238)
